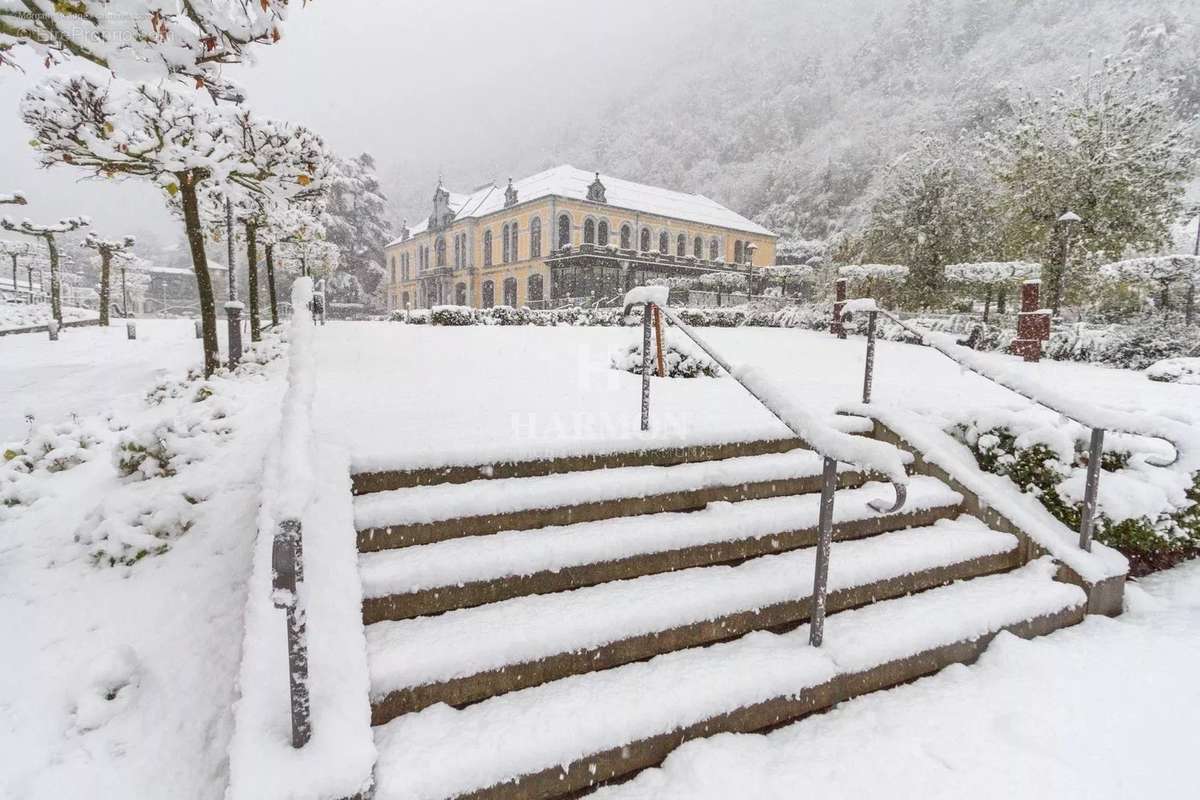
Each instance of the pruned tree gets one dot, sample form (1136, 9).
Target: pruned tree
(48, 234)
(15, 251)
(144, 39)
(1161, 270)
(287, 225)
(785, 273)
(993, 278)
(107, 248)
(153, 132)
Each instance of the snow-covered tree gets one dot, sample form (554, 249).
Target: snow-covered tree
(106, 248)
(783, 274)
(1107, 147)
(993, 278)
(1161, 270)
(15, 251)
(356, 221)
(158, 133)
(286, 225)
(12, 199)
(143, 39)
(48, 234)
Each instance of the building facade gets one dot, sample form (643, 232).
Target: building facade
(564, 237)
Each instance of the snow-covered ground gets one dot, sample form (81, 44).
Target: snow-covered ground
(18, 315)
(1107, 709)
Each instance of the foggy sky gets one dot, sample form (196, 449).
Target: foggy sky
(423, 85)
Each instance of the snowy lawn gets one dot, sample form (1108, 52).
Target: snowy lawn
(23, 315)
(1106, 709)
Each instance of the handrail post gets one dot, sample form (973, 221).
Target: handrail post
(1091, 488)
(816, 626)
(287, 573)
(646, 323)
(869, 371)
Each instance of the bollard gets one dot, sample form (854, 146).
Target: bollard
(646, 323)
(199, 329)
(130, 330)
(53, 329)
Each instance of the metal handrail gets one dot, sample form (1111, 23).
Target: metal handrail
(1096, 438)
(828, 471)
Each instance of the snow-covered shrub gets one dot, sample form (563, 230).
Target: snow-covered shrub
(452, 315)
(417, 316)
(53, 448)
(162, 447)
(506, 315)
(713, 317)
(1146, 512)
(680, 359)
(1135, 346)
(123, 530)
(112, 682)
(1175, 370)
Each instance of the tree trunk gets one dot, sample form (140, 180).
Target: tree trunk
(987, 303)
(55, 289)
(105, 262)
(1165, 298)
(1001, 299)
(14, 258)
(252, 278)
(1190, 306)
(271, 283)
(204, 287)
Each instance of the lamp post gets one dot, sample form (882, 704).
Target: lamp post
(751, 247)
(1068, 219)
(124, 293)
(233, 309)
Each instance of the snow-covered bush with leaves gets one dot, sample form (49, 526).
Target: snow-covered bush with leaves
(452, 315)
(123, 529)
(1175, 370)
(1145, 511)
(681, 359)
(54, 448)
(163, 446)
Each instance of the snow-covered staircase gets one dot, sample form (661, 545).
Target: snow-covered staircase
(537, 628)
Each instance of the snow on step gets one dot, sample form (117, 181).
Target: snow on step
(422, 504)
(424, 650)
(478, 558)
(441, 752)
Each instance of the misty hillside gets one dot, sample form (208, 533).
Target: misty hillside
(792, 117)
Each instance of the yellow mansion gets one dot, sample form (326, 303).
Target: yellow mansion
(565, 236)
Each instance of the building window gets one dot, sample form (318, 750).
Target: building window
(506, 252)
(512, 232)
(441, 251)
(404, 299)
(535, 238)
(681, 245)
(564, 230)
(393, 269)
(698, 247)
(460, 294)
(737, 252)
(533, 291)
(602, 233)
(626, 237)
(489, 294)
(487, 248)
(664, 243)
(714, 249)
(645, 240)
(589, 231)
(510, 292)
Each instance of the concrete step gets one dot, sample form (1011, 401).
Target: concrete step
(469, 655)
(426, 514)
(462, 573)
(563, 737)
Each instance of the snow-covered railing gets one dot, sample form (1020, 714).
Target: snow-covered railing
(1096, 419)
(291, 492)
(833, 445)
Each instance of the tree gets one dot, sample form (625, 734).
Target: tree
(144, 39)
(157, 133)
(14, 251)
(356, 221)
(47, 234)
(298, 222)
(1108, 148)
(992, 277)
(1163, 270)
(107, 248)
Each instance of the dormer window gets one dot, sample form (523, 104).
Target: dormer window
(596, 191)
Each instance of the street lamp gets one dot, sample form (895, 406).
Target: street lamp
(1068, 219)
(750, 248)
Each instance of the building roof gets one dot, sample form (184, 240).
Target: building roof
(572, 183)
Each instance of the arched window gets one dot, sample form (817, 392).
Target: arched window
(487, 248)
(645, 240)
(564, 230)
(393, 269)
(664, 243)
(512, 232)
(698, 247)
(681, 245)
(533, 292)
(589, 232)
(737, 252)
(714, 249)
(507, 256)
(457, 252)
(441, 251)
(460, 294)
(489, 294)
(602, 233)
(626, 237)
(535, 238)
(510, 292)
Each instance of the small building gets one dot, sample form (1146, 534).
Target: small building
(562, 237)
(172, 290)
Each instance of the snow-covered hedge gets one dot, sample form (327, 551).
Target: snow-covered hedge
(681, 359)
(1175, 370)
(1132, 346)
